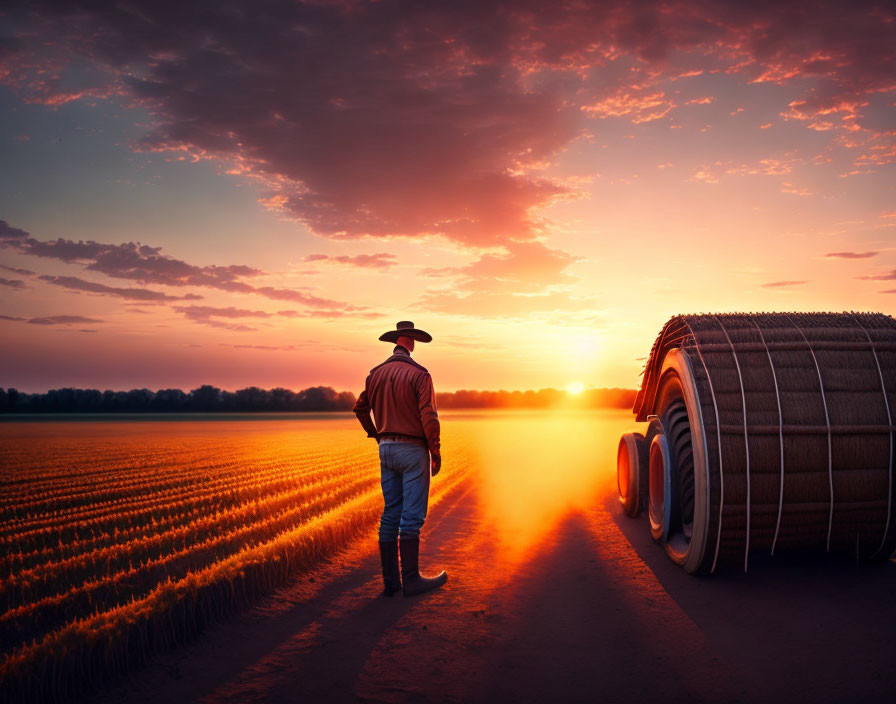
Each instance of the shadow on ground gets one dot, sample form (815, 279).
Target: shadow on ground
(796, 626)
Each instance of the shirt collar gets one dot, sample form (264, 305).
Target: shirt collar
(401, 350)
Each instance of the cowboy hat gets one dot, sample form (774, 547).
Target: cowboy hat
(405, 328)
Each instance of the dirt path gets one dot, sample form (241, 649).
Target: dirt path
(595, 612)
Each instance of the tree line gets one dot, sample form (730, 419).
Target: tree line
(205, 399)
(210, 399)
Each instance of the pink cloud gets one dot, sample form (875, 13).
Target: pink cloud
(789, 188)
(515, 281)
(12, 283)
(381, 260)
(522, 267)
(645, 107)
(888, 276)
(713, 173)
(268, 348)
(502, 305)
(288, 294)
(208, 315)
(851, 255)
(784, 284)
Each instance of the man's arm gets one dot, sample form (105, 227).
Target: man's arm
(429, 415)
(362, 411)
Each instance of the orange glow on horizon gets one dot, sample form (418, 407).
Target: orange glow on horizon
(533, 474)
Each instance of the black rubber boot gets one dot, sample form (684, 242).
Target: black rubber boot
(391, 575)
(412, 582)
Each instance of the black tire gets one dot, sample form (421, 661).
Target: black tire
(631, 473)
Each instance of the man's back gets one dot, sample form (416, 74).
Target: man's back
(401, 395)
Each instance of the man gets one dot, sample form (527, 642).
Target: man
(400, 393)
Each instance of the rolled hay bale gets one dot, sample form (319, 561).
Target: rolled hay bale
(632, 473)
(777, 432)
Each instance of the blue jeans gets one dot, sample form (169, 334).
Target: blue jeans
(404, 474)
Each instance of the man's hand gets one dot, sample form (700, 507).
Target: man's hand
(436, 464)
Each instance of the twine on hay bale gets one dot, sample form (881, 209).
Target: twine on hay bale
(796, 415)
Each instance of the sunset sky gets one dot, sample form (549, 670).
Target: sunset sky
(241, 193)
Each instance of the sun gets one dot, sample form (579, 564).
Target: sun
(575, 387)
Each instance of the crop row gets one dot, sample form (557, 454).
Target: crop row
(65, 467)
(38, 617)
(186, 472)
(109, 642)
(64, 472)
(198, 486)
(130, 480)
(147, 519)
(42, 473)
(125, 526)
(37, 581)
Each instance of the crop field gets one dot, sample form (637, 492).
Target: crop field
(119, 539)
(124, 539)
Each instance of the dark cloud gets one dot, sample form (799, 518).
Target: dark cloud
(147, 265)
(784, 284)
(851, 255)
(137, 262)
(381, 260)
(52, 319)
(16, 270)
(12, 283)
(63, 320)
(73, 283)
(410, 119)
(10, 234)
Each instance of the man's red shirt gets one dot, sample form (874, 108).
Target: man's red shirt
(401, 395)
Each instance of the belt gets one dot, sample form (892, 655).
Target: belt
(397, 437)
